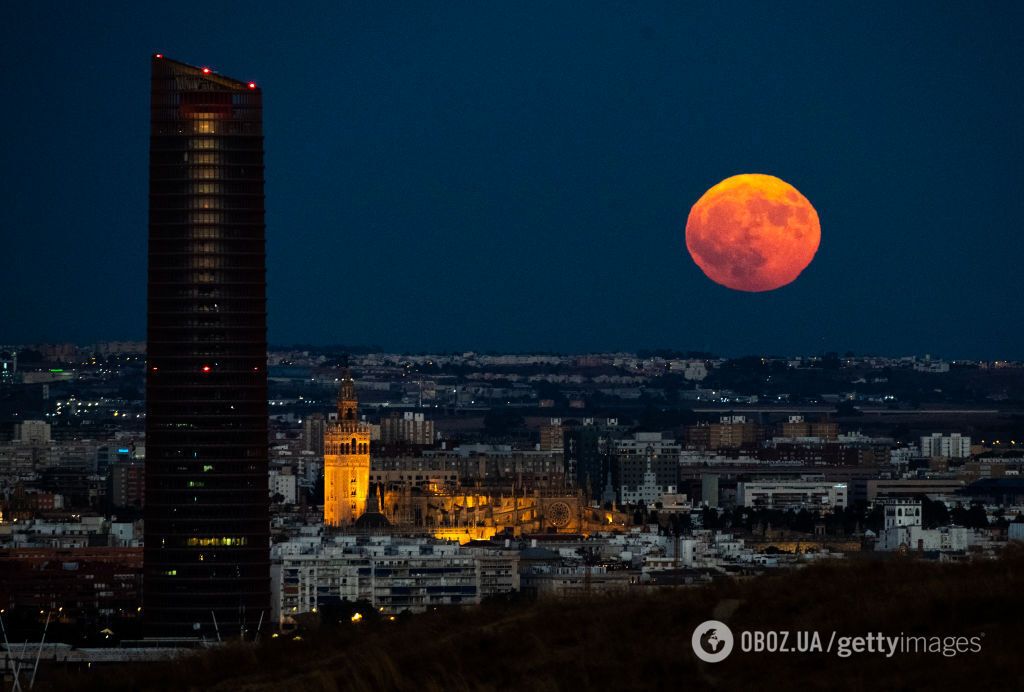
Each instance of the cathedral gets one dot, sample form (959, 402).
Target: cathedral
(346, 460)
(460, 514)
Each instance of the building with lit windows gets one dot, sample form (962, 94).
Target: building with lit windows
(346, 460)
(8, 364)
(394, 574)
(207, 522)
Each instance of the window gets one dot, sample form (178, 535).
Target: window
(205, 173)
(204, 127)
(206, 202)
(218, 541)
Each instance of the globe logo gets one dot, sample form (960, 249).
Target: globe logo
(712, 641)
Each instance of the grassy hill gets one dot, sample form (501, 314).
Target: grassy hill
(641, 642)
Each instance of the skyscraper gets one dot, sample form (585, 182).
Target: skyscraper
(346, 460)
(207, 506)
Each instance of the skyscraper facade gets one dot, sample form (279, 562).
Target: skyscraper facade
(207, 510)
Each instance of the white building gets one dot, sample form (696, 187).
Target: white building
(903, 531)
(642, 442)
(392, 573)
(902, 456)
(694, 370)
(805, 493)
(954, 446)
(284, 483)
(32, 432)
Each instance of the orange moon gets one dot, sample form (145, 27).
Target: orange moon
(753, 232)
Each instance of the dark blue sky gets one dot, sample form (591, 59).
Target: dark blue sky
(517, 176)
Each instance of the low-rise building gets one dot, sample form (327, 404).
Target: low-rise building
(903, 531)
(392, 573)
(807, 492)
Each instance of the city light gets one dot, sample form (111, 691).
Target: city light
(644, 484)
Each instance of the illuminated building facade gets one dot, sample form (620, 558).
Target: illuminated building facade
(346, 460)
(207, 524)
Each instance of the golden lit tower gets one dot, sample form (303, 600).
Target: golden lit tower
(346, 460)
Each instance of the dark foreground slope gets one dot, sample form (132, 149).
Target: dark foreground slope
(643, 642)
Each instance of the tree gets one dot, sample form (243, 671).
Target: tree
(803, 522)
(959, 515)
(977, 517)
(709, 517)
(875, 519)
(933, 514)
(846, 408)
(685, 524)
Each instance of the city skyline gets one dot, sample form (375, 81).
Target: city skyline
(626, 338)
(520, 181)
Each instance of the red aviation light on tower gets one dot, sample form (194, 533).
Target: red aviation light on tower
(206, 70)
(159, 55)
(206, 368)
(252, 85)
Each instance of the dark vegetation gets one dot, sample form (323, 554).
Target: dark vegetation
(639, 642)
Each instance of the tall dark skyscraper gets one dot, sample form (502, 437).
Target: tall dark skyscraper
(207, 510)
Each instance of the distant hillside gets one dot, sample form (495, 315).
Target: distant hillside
(641, 642)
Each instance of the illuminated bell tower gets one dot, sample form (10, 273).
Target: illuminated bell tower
(346, 460)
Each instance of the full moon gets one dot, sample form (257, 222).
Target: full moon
(753, 232)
